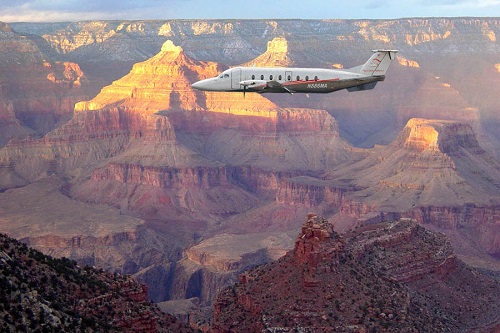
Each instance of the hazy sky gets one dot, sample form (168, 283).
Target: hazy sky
(77, 10)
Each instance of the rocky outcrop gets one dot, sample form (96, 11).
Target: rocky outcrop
(371, 278)
(434, 172)
(94, 134)
(40, 291)
(276, 55)
(446, 137)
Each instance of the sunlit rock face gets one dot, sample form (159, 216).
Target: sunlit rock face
(407, 62)
(160, 83)
(276, 55)
(439, 135)
(436, 173)
(225, 129)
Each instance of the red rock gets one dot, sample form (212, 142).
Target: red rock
(393, 276)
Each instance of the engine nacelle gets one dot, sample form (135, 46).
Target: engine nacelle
(254, 84)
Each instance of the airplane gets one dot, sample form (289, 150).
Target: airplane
(301, 80)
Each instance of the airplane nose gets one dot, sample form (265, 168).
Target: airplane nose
(196, 85)
(206, 85)
(200, 85)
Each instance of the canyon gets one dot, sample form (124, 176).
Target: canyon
(108, 157)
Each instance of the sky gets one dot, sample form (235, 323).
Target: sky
(80, 10)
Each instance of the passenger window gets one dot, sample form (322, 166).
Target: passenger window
(262, 77)
(289, 78)
(270, 77)
(298, 78)
(307, 77)
(316, 78)
(279, 78)
(253, 77)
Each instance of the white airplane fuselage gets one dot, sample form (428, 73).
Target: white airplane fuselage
(300, 80)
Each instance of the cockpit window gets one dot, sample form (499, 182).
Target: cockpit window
(226, 75)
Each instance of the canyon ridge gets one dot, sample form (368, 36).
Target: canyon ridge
(110, 158)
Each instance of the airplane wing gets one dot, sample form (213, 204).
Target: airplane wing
(278, 87)
(262, 86)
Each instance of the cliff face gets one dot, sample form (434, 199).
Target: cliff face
(96, 134)
(276, 55)
(368, 279)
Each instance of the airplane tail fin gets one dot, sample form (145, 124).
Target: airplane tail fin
(378, 63)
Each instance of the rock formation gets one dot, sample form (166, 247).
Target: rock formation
(432, 163)
(393, 276)
(276, 55)
(434, 172)
(161, 83)
(443, 48)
